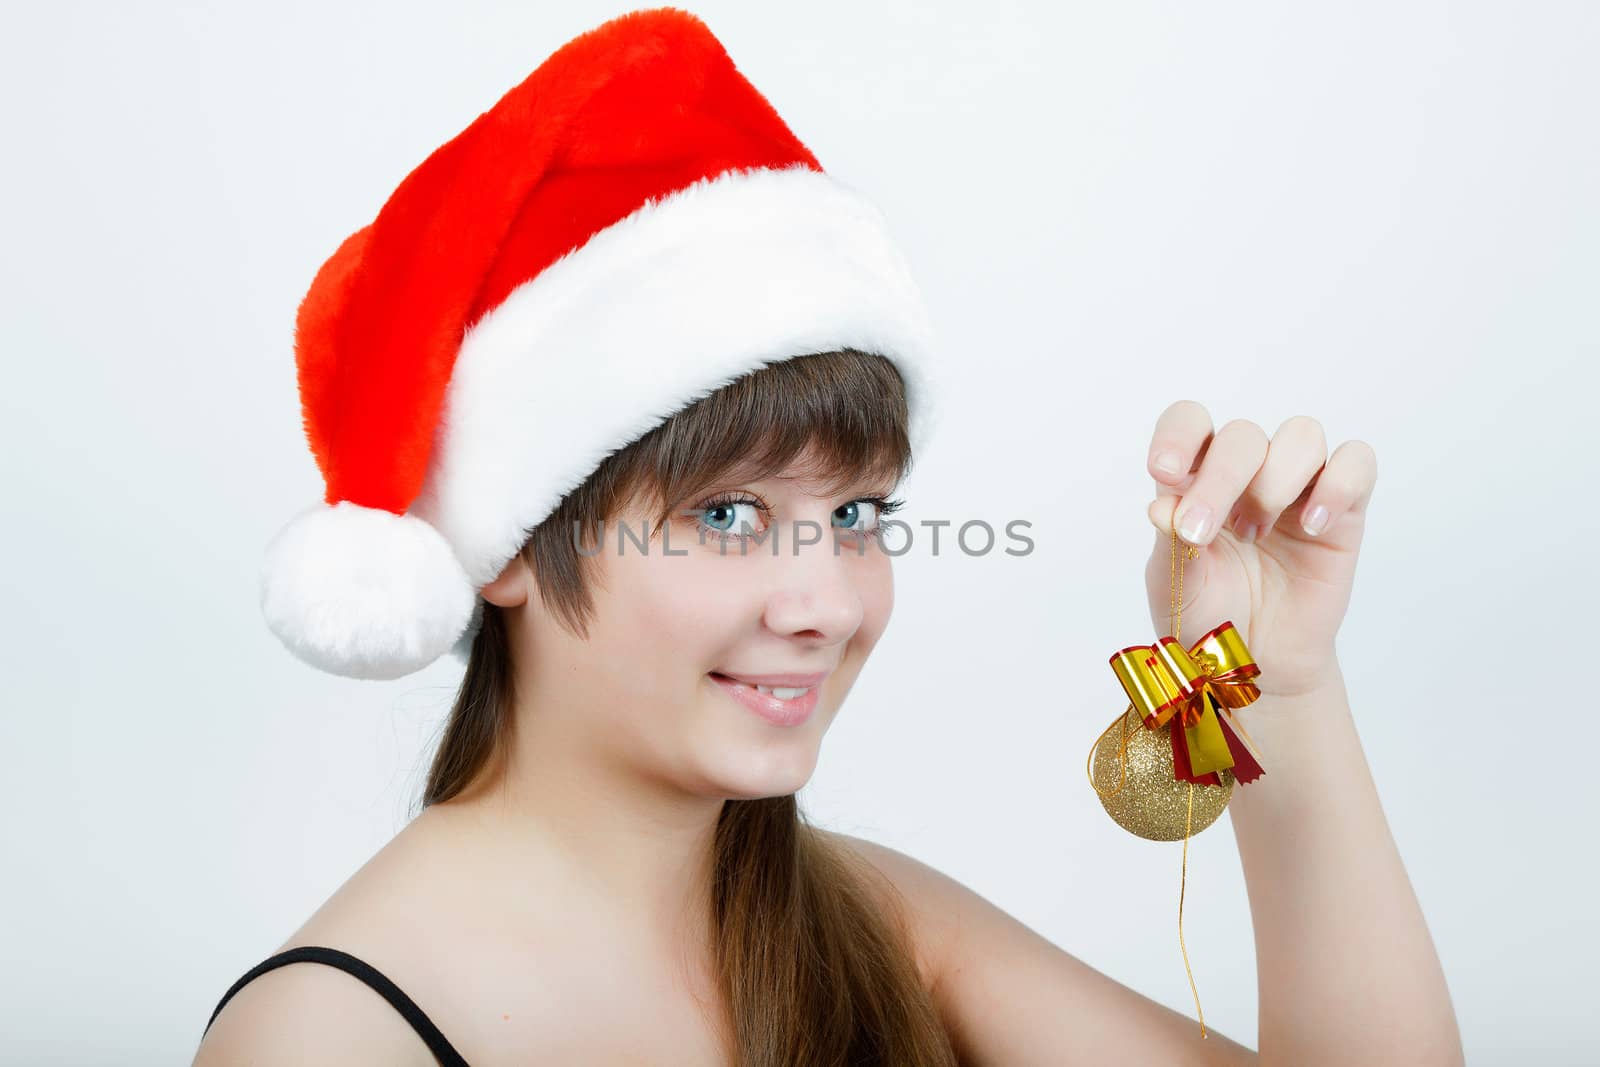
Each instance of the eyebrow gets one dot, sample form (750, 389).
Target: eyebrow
(813, 485)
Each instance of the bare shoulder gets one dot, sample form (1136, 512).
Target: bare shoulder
(310, 1012)
(313, 1015)
(1009, 995)
(924, 895)
(505, 968)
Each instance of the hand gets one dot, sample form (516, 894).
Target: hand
(1285, 587)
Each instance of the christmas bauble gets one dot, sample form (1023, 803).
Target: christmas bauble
(1151, 803)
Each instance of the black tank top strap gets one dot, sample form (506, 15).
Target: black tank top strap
(430, 1034)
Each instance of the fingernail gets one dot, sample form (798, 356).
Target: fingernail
(1194, 523)
(1315, 520)
(1247, 532)
(1167, 462)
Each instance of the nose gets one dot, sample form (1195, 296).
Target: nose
(815, 595)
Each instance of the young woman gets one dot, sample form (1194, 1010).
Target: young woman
(609, 866)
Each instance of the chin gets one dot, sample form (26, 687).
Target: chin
(754, 775)
(753, 757)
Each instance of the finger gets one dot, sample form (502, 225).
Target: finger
(1232, 459)
(1343, 488)
(1295, 454)
(1178, 445)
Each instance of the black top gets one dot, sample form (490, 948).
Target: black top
(424, 1027)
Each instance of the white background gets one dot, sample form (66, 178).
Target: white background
(1380, 215)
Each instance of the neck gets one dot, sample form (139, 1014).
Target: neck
(633, 850)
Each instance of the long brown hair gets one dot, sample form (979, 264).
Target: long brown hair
(813, 950)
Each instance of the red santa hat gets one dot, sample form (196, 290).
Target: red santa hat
(626, 231)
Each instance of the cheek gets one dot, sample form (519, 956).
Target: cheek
(876, 588)
(669, 613)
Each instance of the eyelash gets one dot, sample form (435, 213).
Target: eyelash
(884, 506)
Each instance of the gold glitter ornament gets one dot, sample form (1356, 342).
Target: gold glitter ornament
(1149, 801)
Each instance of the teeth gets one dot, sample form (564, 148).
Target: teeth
(782, 693)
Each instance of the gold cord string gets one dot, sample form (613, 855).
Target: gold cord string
(1190, 551)
(1122, 755)
(1175, 610)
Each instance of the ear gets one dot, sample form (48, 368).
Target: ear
(510, 589)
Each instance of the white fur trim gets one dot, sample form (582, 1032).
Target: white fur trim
(364, 592)
(663, 307)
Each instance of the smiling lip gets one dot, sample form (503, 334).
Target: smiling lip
(792, 681)
(769, 707)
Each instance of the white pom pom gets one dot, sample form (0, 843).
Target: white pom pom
(363, 592)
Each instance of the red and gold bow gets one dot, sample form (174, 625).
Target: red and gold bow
(1201, 687)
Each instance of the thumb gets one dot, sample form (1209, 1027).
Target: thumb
(1161, 512)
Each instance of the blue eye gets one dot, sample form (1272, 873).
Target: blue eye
(718, 512)
(851, 512)
(880, 507)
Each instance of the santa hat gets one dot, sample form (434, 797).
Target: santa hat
(626, 231)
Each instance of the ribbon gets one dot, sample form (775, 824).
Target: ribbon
(1200, 687)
